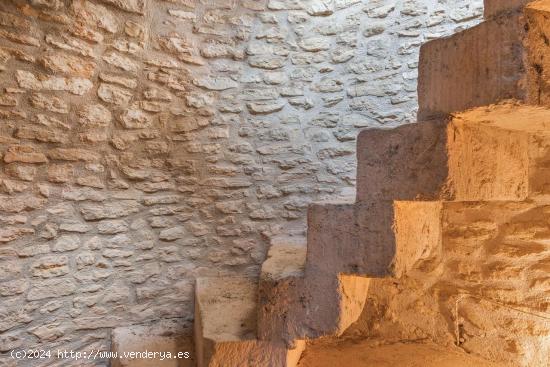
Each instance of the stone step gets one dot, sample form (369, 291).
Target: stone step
(490, 260)
(511, 61)
(476, 67)
(360, 238)
(281, 283)
(496, 7)
(366, 353)
(172, 336)
(537, 14)
(498, 152)
(226, 325)
(348, 244)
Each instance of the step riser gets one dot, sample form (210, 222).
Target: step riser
(246, 354)
(495, 7)
(334, 302)
(511, 61)
(370, 240)
(487, 163)
(465, 159)
(280, 312)
(281, 307)
(538, 57)
(350, 243)
(402, 163)
(449, 81)
(226, 325)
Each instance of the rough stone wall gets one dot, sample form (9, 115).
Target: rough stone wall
(147, 142)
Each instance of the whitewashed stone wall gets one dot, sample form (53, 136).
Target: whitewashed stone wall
(147, 142)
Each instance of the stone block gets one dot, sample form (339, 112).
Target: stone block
(476, 67)
(538, 57)
(496, 7)
(489, 153)
(166, 336)
(280, 286)
(225, 327)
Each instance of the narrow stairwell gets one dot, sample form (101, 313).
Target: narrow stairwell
(440, 205)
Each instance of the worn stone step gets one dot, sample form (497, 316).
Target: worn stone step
(349, 243)
(476, 67)
(491, 259)
(366, 353)
(172, 336)
(281, 283)
(536, 17)
(226, 327)
(361, 238)
(496, 7)
(498, 152)
(504, 57)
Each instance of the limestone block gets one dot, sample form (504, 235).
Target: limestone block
(131, 6)
(538, 59)
(94, 115)
(113, 94)
(167, 336)
(95, 15)
(281, 284)
(489, 153)
(75, 85)
(24, 154)
(111, 210)
(225, 327)
(449, 81)
(68, 64)
(51, 288)
(119, 61)
(495, 7)
(48, 103)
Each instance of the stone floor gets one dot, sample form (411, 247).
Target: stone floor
(365, 354)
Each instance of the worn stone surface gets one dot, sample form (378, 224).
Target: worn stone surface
(488, 267)
(496, 73)
(161, 336)
(225, 326)
(152, 142)
(495, 152)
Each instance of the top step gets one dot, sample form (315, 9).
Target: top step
(505, 57)
(497, 152)
(496, 7)
(476, 67)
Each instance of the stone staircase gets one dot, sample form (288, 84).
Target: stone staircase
(417, 186)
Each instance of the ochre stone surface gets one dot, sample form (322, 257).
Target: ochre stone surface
(486, 277)
(145, 143)
(369, 354)
(496, 152)
(484, 64)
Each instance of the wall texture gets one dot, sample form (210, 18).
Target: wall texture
(147, 142)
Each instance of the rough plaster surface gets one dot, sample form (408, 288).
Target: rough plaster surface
(145, 143)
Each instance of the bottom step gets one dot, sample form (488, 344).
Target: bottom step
(225, 327)
(149, 345)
